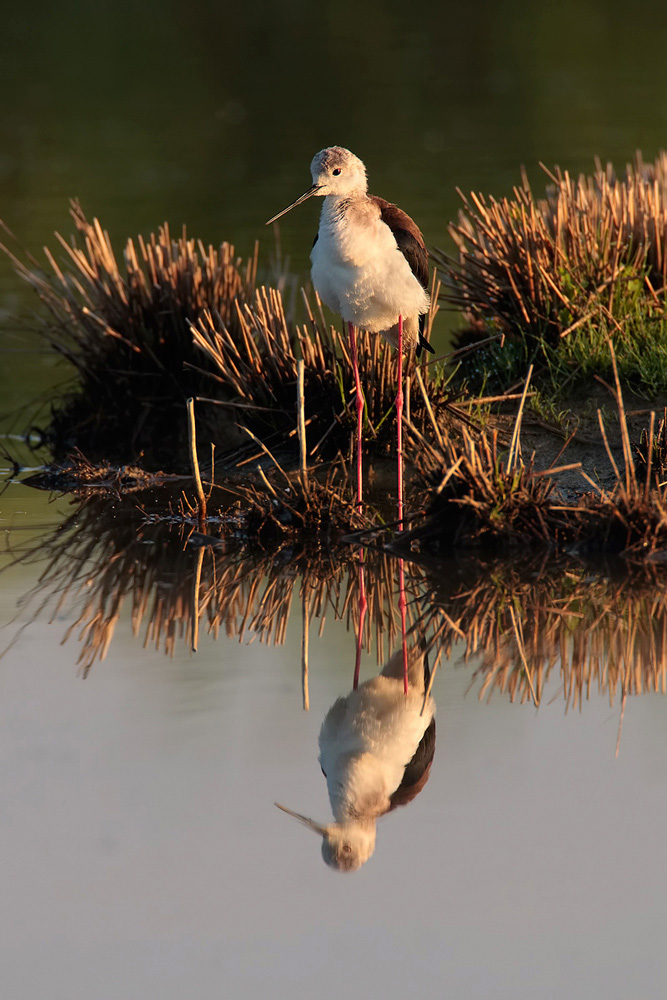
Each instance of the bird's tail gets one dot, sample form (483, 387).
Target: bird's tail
(418, 673)
(423, 343)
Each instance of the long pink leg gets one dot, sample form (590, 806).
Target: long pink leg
(402, 603)
(399, 422)
(360, 408)
(363, 605)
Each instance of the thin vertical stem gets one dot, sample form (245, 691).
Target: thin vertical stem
(305, 625)
(195, 599)
(192, 440)
(620, 723)
(302, 419)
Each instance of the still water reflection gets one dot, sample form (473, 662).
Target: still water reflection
(597, 627)
(527, 820)
(376, 750)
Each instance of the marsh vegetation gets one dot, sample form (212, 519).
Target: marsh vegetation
(558, 293)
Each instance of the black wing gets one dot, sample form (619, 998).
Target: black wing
(417, 772)
(415, 254)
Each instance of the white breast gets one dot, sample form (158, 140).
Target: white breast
(368, 738)
(358, 270)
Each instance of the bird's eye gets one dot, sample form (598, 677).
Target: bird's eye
(336, 171)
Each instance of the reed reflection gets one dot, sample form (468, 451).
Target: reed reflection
(541, 631)
(376, 749)
(111, 560)
(524, 623)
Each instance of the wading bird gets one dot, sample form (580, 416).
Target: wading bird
(370, 264)
(376, 750)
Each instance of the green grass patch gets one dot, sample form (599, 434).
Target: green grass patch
(550, 281)
(636, 326)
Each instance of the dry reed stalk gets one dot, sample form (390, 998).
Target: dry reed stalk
(516, 433)
(195, 600)
(539, 265)
(192, 442)
(174, 319)
(650, 454)
(302, 419)
(305, 644)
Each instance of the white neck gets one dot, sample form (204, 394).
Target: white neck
(360, 793)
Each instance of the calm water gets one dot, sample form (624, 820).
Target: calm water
(142, 854)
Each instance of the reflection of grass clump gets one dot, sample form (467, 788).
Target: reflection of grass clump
(554, 278)
(104, 557)
(524, 622)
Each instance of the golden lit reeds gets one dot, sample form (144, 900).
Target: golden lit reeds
(650, 455)
(124, 326)
(477, 499)
(317, 514)
(484, 496)
(175, 319)
(544, 266)
(479, 493)
(256, 367)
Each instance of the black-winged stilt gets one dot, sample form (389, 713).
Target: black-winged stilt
(376, 750)
(370, 264)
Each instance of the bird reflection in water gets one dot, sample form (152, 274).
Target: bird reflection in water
(376, 749)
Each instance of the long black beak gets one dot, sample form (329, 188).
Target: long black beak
(309, 193)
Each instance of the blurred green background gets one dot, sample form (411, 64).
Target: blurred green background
(208, 114)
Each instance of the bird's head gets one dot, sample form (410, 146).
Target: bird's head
(336, 171)
(345, 846)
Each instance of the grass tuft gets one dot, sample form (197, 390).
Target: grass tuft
(554, 278)
(173, 319)
(478, 496)
(486, 497)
